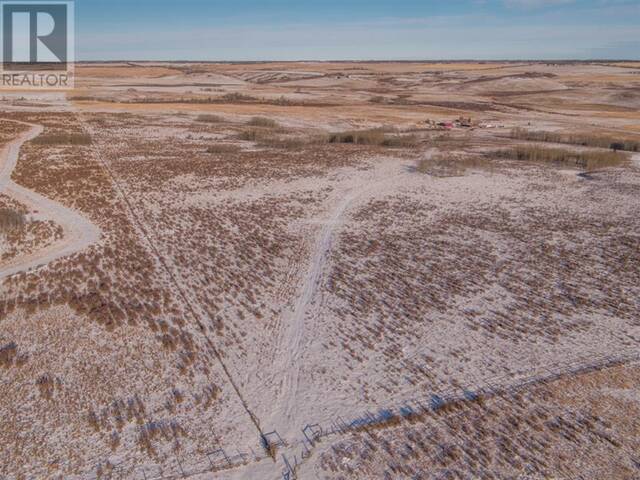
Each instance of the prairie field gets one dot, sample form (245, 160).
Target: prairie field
(316, 270)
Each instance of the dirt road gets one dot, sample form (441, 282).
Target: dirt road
(78, 232)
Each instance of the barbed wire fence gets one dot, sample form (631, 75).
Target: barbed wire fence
(219, 458)
(491, 387)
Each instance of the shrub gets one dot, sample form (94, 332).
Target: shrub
(208, 118)
(7, 354)
(586, 140)
(10, 220)
(616, 146)
(374, 136)
(63, 139)
(287, 143)
(559, 156)
(360, 137)
(449, 165)
(46, 385)
(251, 135)
(237, 98)
(262, 122)
(223, 148)
(401, 141)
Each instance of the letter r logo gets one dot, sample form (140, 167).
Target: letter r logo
(34, 34)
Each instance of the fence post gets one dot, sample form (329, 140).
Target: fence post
(184, 475)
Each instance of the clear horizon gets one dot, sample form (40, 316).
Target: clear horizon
(409, 30)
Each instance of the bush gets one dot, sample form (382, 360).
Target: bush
(359, 137)
(63, 139)
(223, 148)
(262, 122)
(210, 118)
(450, 165)
(616, 146)
(287, 143)
(237, 98)
(559, 156)
(401, 141)
(585, 140)
(10, 220)
(251, 135)
(374, 136)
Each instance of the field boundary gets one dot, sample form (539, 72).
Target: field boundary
(295, 454)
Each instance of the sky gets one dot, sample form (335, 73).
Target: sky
(357, 29)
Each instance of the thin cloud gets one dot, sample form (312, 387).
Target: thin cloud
(535, 3)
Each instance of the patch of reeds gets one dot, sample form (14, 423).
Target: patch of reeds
(590, 160)
(585, 140)
(63, 139)
(209, 118)
(10, 220)
(374, 136)
(262, 122)
(223, 148)
(452, 165)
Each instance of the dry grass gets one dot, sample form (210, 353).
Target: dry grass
(262, 122)
(7, 354)
(585, 140)
(451, 165)
(559, 156)
(238, 98)
(63, 139)
(209, 118)
(11, 220)
(286, 143)
(267, 133)
(252, 135)
(359, 137)
(375, 136)
(223, 148)
(401, 141)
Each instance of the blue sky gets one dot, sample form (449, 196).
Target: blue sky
(357, 29)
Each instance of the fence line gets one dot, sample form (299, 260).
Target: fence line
(219, 459)
(492, 388)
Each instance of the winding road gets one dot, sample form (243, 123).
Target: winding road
(78, 232)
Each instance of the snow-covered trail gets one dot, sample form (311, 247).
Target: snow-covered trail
(78, 232)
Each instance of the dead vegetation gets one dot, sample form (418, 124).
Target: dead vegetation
(452, 165)
(587, 160)
(585, 140)
(210, 118)
(376, 136)
(10, 356)
(262, 122)
(63, 139)
(489, 266)
(223, 148)
(530, 432)
(11, 220)
(46, 385)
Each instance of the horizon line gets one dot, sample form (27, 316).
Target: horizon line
(444, 60)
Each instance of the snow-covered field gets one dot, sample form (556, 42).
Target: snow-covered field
(220, 297)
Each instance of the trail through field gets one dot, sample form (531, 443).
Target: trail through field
(78, 232)
(300, 318)
(308, 305)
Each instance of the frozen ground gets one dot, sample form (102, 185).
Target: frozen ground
(226, 292)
